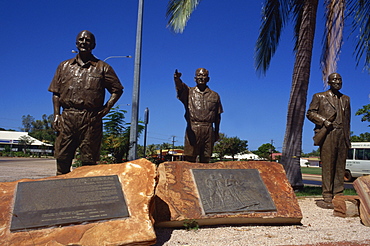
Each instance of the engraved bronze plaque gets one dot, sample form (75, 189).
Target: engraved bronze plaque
(67, 201)
(232, 191)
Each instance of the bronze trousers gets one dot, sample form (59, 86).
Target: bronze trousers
(333, 153)
(199, 139)
(79, 129)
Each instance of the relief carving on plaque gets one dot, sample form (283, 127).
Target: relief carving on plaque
(232, 190)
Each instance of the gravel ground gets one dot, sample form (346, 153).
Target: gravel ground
(319, 226)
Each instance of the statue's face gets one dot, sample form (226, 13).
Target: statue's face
(201, 77)
(335, 81)
(85, 41)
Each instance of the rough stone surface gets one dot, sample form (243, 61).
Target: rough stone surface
(177, 199)
(346, 206)
(362, 186)
(138, 182)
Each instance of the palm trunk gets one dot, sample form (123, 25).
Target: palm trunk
(292, 147)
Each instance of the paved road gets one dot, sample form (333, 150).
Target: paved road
(13, 168)
(315, 180)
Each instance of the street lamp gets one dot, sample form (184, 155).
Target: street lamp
(109, 57)
(132, 155)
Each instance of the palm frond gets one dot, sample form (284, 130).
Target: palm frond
(333, 37)
(274, 16)
(178, 13)
(360, 11)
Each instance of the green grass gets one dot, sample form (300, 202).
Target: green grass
(316, 191)
(311, 170)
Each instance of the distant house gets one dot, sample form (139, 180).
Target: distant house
(276, 156)
(248, 156)
(169, 155)
(312, 161)
(13, 141)
(178, 155)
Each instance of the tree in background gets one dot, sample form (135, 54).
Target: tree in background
(39, 129)
(315, 153)
(265, 151)
(114, 121)
(26, 141)
(365, 112)
(3, 129)
(363, 137)
(43, 130)
(165, 146)
(27, 122)
(116, 135)
(151, 149)
(113, 131)
(220, 148)
(229, 146)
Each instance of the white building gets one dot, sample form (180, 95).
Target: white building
(13, 140)
(249, 156)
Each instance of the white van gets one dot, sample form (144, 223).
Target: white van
(358, 161)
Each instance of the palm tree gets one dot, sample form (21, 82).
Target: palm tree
(275, 16)
(304, 17)
(277, 12)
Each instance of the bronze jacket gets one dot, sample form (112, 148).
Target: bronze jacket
(323, 108)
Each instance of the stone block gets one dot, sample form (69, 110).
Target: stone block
(138, 180)
(179, 198)
(362, 186)
(346, 206)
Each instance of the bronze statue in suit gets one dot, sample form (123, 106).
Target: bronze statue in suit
(331, 113)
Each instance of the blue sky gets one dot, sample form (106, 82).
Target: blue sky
(220, 36)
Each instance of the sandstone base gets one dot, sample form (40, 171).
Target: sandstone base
(346, 206)
(362, 186)
(177, 200)
(138, 182)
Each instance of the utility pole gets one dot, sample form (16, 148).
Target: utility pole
(173, 142)
(173, 147)
(132, 155)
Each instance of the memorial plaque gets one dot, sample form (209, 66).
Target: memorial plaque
(67, 201)
(232, 191)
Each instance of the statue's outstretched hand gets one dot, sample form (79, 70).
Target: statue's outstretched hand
(177, 75)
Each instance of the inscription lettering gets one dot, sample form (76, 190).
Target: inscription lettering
(65, 201)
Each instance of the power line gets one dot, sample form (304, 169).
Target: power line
(158, 138)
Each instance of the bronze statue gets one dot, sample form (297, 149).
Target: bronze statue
(203, 115)
(331, 113)
(78, 87)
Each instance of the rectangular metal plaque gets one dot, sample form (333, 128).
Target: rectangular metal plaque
(67, 201)
(232, 191)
